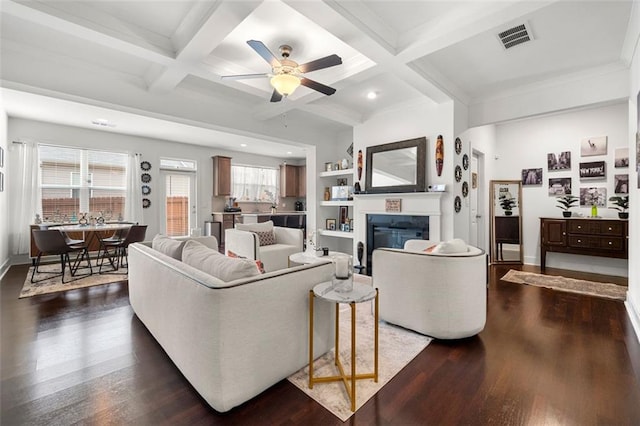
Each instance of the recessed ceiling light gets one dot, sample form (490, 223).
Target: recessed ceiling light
(243, 145)
(372, 95)
(289, 152)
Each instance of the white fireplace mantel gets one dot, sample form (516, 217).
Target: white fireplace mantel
(412, 203)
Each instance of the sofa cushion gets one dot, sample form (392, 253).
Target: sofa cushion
(256, 227)
(454, 246)
(168, 246)
(216, 264)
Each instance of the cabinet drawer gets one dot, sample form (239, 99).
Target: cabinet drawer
(583, 227)
(612, 228)
(616, 244)
(581, 241)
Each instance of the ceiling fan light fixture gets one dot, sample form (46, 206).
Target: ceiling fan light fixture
(285, 84)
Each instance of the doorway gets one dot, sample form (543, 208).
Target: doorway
(179, 203)
(477, 229)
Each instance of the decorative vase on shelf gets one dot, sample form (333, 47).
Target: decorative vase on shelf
(38, 221)
(83, 219)
(342, 281)
(594, 211)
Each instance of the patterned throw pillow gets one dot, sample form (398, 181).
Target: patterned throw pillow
(266, 238)
(259, 263)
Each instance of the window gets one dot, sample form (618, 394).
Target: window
(250, 183)
(79, 180)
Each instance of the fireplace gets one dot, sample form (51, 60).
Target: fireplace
(390, 230)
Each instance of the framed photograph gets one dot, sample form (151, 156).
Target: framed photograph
(328, 167)
(621, 158)
(1, 182)
(474, 180)
(344, 214)
(591, 196)
(559, 187)
(532, 176)
(350, 224)
(559, 160)
(621, 184)
(592, 170)
(593, 146)
(1, 156)
(331, 224)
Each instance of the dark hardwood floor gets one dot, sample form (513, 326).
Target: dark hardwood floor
(545, 357)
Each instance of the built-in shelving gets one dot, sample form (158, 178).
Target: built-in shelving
(343, 172)
(336, 203)
(337, 234)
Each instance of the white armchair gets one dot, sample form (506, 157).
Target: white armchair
(443, 295)
(244, 241)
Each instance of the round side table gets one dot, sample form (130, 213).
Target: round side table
(360, 293)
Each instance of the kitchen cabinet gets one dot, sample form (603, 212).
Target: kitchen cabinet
(221, 175)
(293, 181)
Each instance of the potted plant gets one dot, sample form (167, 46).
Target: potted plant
(621, 203)
(507, 204)
(566, 202)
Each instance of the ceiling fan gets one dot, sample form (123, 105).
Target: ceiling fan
(286, 75)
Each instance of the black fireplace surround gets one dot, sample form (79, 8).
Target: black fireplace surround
(388, 230)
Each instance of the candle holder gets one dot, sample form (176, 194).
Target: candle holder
(342, 280)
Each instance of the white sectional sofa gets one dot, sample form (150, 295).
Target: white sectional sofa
(231, 340)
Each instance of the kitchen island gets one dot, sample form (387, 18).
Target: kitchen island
(276, 217)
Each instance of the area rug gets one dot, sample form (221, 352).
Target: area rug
(54, 285)
(397, 347)
(572, 285)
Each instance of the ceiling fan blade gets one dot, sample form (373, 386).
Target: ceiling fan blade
(318, 64)
(263, 51)
(317, 86)
(276, 97)
(242, 76)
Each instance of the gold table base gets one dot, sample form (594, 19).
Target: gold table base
(348, 380)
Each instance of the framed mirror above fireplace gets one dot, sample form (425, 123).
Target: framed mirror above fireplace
(506, 221)
(397, 167)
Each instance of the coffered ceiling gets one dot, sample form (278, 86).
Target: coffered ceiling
(153, 68)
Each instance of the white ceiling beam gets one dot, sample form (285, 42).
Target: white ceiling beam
(348, 22)
(150, 53)
(338, 114)
(221, 19)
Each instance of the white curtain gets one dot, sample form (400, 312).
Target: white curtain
(27, 199)
(254, 184)
(133, 203)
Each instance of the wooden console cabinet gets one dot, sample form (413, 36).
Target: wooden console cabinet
(591, 237)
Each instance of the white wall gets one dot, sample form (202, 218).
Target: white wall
(524, 144)
(633, 296)
(4, 209)
(414, 120)
(151, 149)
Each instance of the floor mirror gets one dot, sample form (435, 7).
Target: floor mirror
(506, 221)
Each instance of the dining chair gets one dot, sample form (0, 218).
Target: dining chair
(54, 242)
(115, 250)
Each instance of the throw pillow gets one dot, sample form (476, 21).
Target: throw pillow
(430, 249)
(216, 264)
(168, 246)
(266, 238)
(454, 246)
(259, 263)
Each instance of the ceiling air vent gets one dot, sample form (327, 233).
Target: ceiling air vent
(515, 36)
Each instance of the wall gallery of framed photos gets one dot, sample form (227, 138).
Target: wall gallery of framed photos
(592, 171)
